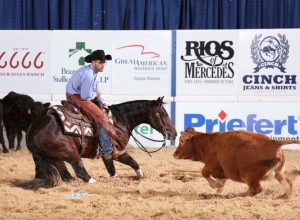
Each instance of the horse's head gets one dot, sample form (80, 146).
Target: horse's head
(161, 121)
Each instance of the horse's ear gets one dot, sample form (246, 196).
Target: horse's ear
(160, 100)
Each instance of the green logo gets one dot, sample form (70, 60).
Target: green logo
(80, 46)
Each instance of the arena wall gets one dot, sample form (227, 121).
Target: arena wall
(213, 80)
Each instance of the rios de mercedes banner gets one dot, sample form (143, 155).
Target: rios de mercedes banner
(206, 62)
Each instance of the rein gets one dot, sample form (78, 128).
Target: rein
(142, 147)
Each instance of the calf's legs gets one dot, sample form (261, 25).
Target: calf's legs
(254, 188)
(285, 182)
(217, 183)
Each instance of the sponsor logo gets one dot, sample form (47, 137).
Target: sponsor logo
(208, 62)
(147, 62)
(252, 123)
(22, 59)
(270, 53)
(80, 47)
(142, 48)
(22, 62)
(143, 129)
(79, 52)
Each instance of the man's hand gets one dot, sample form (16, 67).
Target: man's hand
(98, 94)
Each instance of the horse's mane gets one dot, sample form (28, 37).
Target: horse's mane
(132, 108)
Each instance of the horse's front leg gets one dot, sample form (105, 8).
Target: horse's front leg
(125, 158)
(109, 165)
(81, 171)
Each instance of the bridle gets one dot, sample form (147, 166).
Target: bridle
(142, 147)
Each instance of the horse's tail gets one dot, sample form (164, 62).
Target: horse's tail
(46, 174)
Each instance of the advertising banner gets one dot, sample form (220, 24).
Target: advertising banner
(69, 48)
(142, 63)
(268, 119)
(25, 61)
(206, 62)
(268, 62)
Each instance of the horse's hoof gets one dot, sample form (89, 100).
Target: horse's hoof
(114, 176)
(92, 180)
(139, 173)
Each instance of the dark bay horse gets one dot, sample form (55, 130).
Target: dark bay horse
(50, 147)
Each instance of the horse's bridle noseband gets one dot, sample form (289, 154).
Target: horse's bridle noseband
(163, 126)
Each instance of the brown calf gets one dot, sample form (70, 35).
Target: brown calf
(237, 155)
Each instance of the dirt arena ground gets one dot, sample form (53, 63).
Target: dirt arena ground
(172, 189)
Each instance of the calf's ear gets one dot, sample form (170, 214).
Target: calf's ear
(47, 104)
(190, 129)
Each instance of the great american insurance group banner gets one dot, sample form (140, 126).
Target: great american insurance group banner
(142, 63)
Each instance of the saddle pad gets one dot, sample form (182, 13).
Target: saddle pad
(72, 128)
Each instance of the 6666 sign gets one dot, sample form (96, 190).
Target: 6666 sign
(21, 59)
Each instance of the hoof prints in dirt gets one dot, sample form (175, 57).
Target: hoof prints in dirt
(166, 194)
(215, 196)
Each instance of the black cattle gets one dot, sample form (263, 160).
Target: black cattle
(2, 142)
(19, 111)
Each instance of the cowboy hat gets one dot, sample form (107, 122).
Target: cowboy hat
(97, 55)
